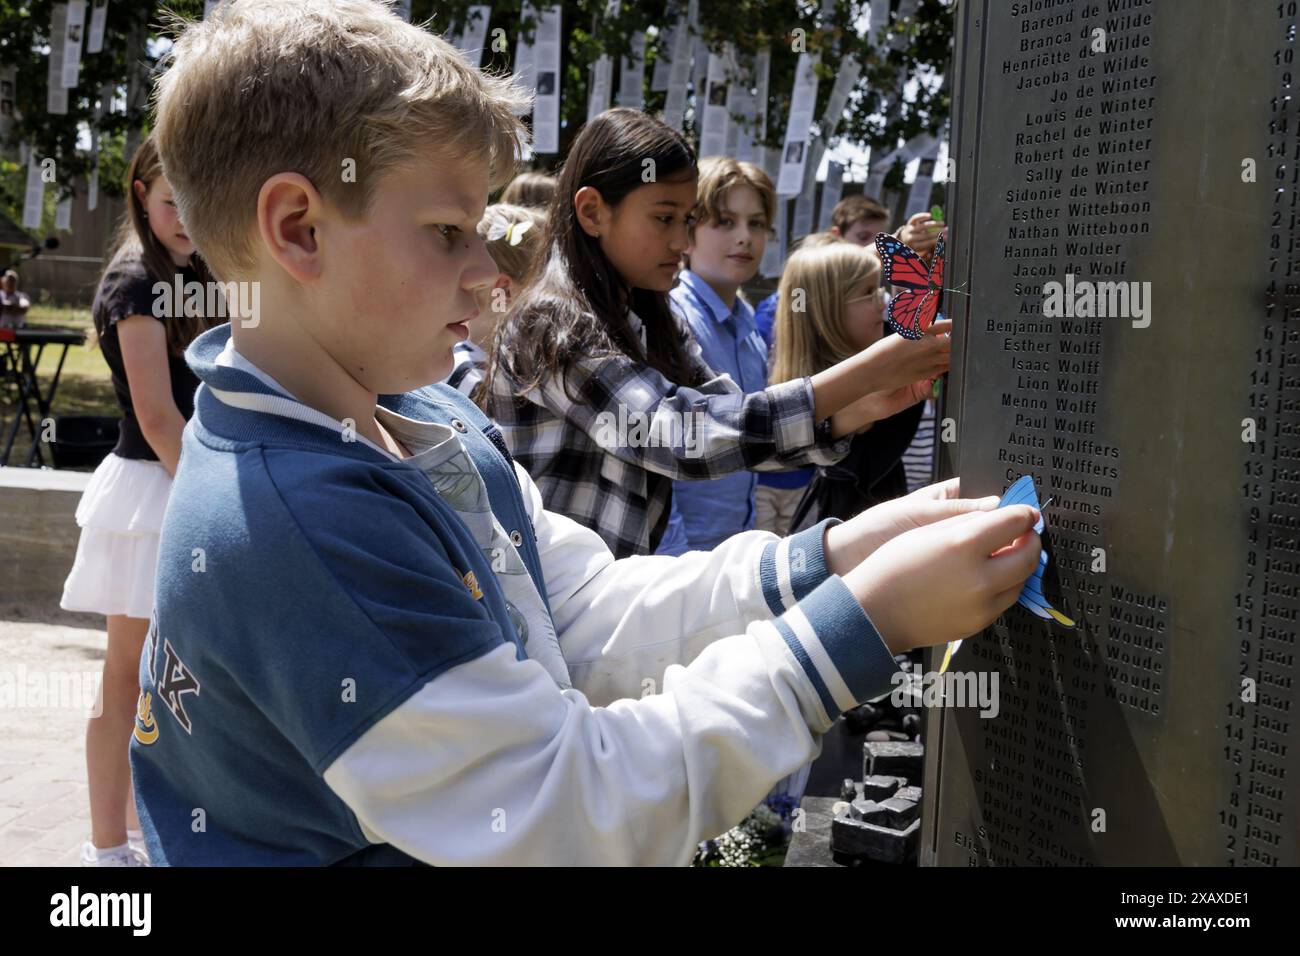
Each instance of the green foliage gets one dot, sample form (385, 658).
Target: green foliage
(875, 115)
(135, 40)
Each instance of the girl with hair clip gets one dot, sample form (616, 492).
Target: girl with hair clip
(600, 391)
(143, 337)
(513, 236)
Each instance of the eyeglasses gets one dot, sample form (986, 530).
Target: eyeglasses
(877, 296)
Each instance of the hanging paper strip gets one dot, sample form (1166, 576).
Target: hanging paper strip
(774, 254)
(845, 80)
(762, 73)
(102, 107)
(740, 103)
(667, 42)
(472, 37)
(742, 108)
(56, 98)
(832, 190)
(675, 104)
(631, 76)
(798, 129)
(879, 27)
(72, 37)
(803, 206)
(8, 105)
(546, 112)
(525, 62)
(712, 106)
(92, 184)
(95, 35)
(602, 74)
(63, 215)
(699, 72)
(906, 13)
(34, 194)
(918, 197)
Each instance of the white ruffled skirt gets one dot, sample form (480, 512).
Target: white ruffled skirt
(120, 516)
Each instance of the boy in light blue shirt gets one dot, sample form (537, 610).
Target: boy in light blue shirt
(737, 201)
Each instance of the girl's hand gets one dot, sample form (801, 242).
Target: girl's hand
(947, 580)
(896, 362)
(850, 543)
(859, 416)
(922, 233)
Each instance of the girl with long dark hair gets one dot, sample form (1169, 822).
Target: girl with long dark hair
(600, 390)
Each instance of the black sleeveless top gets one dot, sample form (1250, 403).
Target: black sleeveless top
(127, 289)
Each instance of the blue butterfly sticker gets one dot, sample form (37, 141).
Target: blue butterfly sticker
(1031, 597)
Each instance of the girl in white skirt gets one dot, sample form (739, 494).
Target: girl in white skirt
(121, 510)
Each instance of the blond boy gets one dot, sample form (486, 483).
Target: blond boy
(371, 643)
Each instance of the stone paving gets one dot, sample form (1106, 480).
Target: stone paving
(44, 808)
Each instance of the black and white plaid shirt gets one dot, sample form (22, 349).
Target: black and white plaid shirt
(609, 460)
(468, 363)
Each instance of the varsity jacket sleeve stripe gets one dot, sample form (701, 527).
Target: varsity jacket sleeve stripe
(622, 622)
(489, 763)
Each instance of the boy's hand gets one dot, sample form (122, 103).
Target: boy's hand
(946, 581)
(850, 543)
(921, 233)
(896, 362)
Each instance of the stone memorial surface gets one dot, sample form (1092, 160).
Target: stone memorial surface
(1125, 255)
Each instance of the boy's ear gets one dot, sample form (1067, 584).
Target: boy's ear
(589, 207)
(835, 231)
(288, 208)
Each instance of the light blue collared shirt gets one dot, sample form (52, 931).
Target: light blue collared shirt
(706, 513)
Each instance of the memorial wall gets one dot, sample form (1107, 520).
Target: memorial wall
(1125, 273)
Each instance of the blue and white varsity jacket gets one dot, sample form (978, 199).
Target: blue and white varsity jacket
(333, 673)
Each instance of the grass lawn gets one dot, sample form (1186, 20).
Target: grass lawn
(84, 386)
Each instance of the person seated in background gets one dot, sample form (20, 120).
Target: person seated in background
(13, 304)
(530, 189)
(513, 235)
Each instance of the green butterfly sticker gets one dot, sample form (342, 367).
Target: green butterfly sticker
(936, 213)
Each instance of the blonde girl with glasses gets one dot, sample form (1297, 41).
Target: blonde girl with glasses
(831, 305)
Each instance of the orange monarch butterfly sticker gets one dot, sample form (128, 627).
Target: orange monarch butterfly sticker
(146, 728)
(471, 582)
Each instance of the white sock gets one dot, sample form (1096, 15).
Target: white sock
(99, 853)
